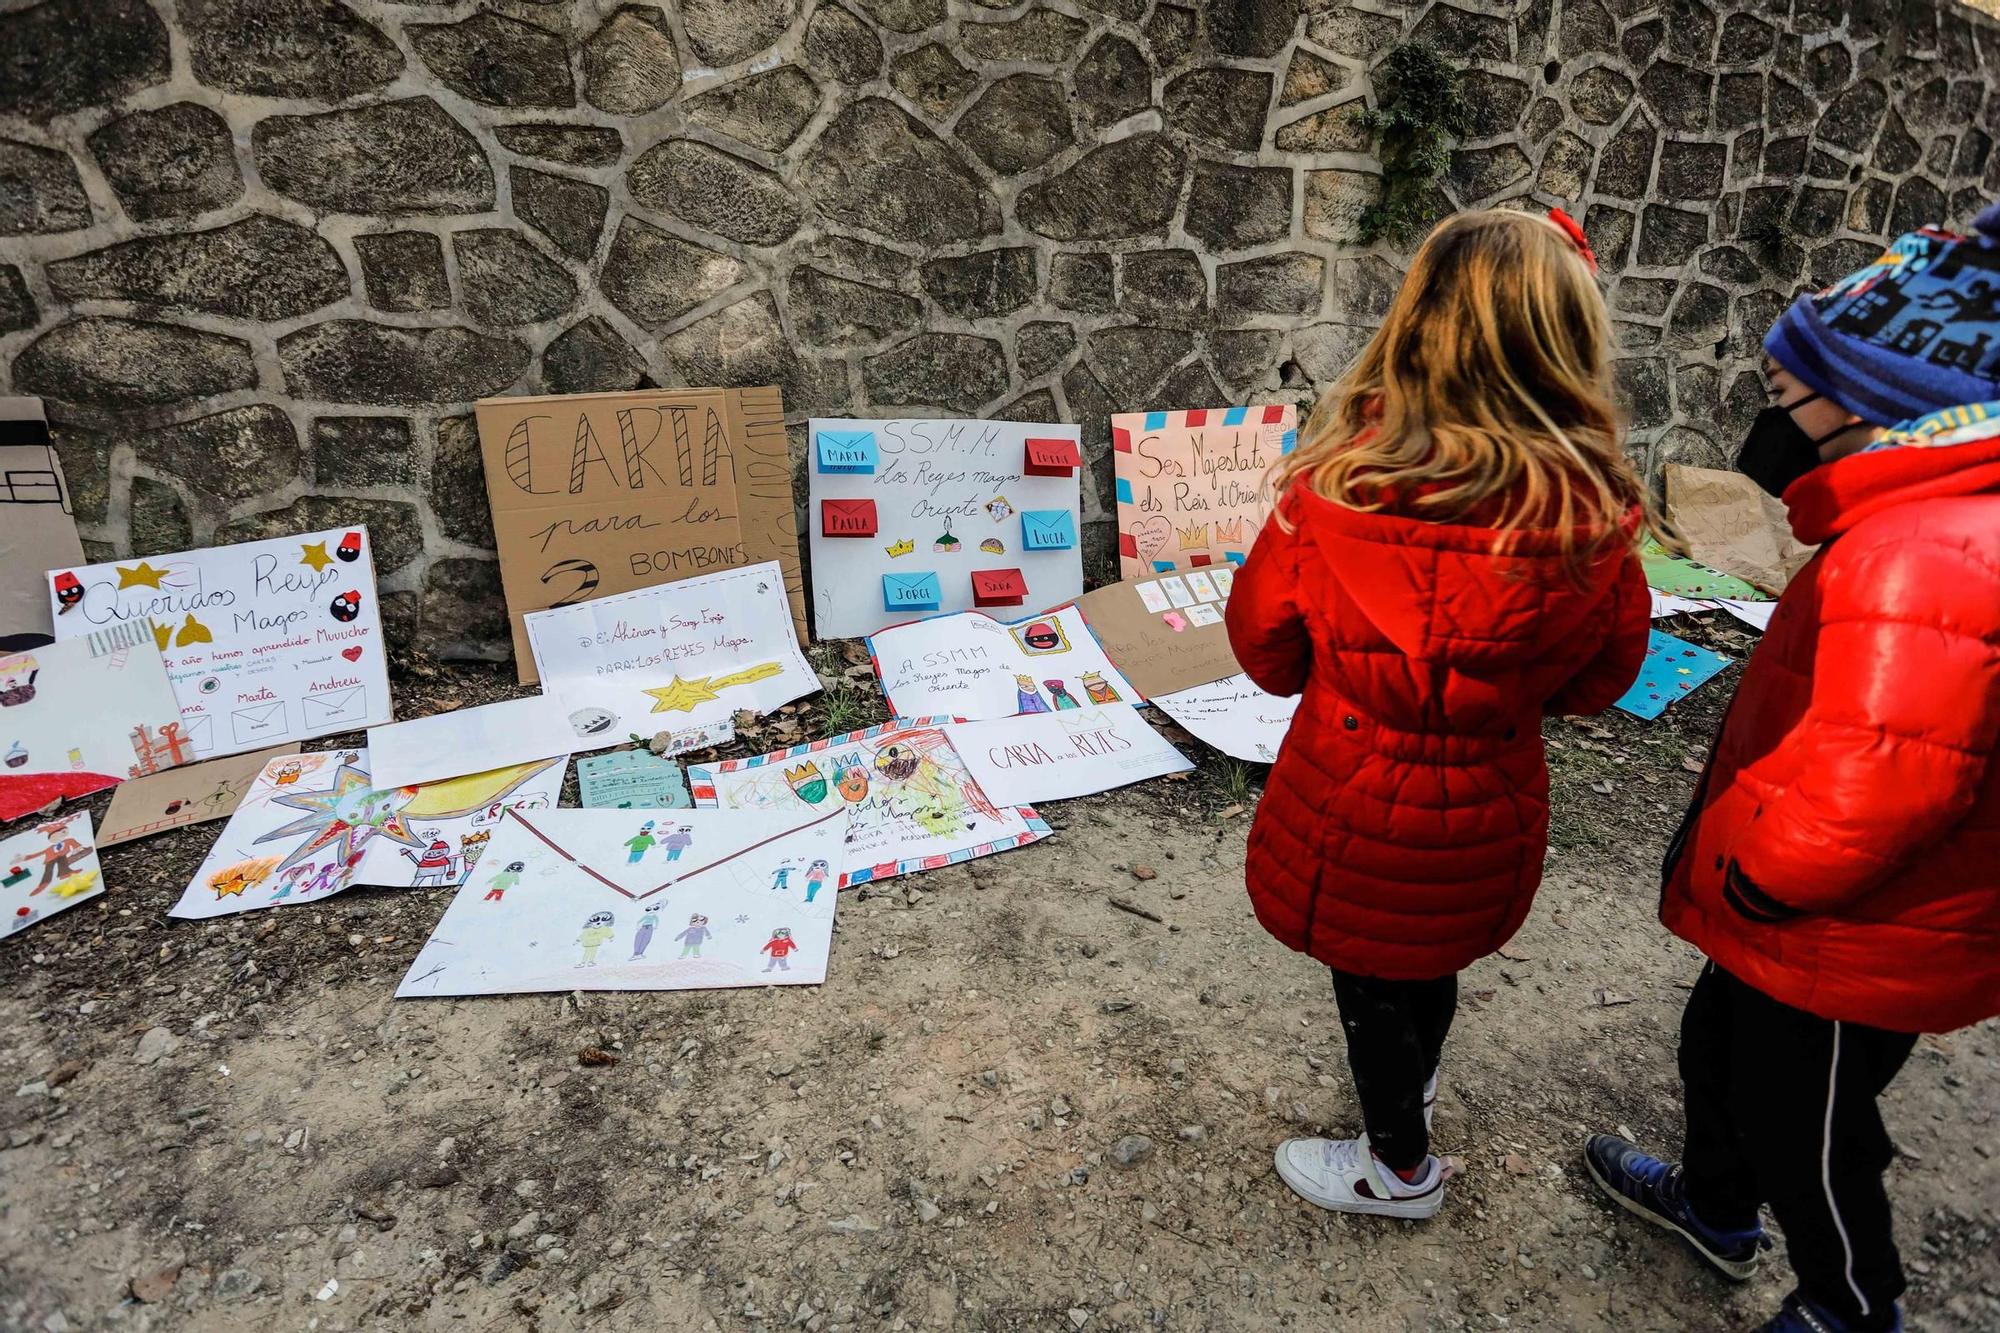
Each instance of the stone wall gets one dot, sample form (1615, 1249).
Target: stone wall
(260, 255)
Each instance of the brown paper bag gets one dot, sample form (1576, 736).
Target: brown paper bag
(1731, 524)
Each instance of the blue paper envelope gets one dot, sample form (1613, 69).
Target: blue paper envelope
(1672, 668)
(846, 451)
(1047, 530)
(912, 592)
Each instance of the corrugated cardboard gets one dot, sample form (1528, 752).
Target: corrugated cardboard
(1143, 644)
(1730, 523)
(190, 794)
(596, 494)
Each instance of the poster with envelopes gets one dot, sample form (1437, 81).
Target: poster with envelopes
(47, 868)
(1190, 485)
(571, 900)
(265, 641)
(918, 517)
(595, 494)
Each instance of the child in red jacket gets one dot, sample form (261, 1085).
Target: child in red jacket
(1838, 863)
(1450, 558)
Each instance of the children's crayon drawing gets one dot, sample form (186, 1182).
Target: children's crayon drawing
(264, 641)
(177, 797)
(470, 740)
(1672, 668)
(85, 714)
(1059, 755)
(575, 900)
(37, 524)
(912, 518)
(671, 657)
(632, 780)
(45, 868)
(1190, 484)
(314, 824)
(970, 665)
(910, 802)
(1232, 715)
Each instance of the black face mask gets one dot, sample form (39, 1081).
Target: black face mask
(1777, 452)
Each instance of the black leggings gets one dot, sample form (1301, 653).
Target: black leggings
(1395, 1033)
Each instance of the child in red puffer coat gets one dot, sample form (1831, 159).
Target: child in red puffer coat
(1450, 557)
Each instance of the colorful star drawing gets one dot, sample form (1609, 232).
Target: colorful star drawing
(141, 575)
(682, 695)
(314, 554)
(342, 815)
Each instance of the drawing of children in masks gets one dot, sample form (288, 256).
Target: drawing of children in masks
(648, 919)
(597, 928)
(504, 880)
(640, 843)
(778, 946)
(691, 938)
(816, 874)
(679, 841)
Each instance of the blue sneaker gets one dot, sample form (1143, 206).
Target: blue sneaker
(1801, 1316)
(1652, 1188)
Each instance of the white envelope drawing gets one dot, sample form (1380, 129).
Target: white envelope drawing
(325, 711)
(200, 732)
(257, 722)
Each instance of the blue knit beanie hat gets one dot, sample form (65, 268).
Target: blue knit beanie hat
(1916, 331)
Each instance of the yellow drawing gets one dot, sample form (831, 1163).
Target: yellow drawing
(999, 508)
(163, 635)
(462, 796)
(314, 554)
(1194, 537)
(903, 547)
(1229, 532)
(141, 575)
(192, 631)
(808, 782)
(74, 885)
(230, 881)
(993, 546)
(682, 695)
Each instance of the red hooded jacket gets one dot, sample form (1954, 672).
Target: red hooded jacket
(1402, 831)
(1843, 852)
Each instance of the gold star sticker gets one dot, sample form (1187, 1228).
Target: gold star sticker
(314, 554)
(683, 695)
(141, 575)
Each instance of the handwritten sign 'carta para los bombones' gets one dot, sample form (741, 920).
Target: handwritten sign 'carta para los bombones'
(1190, 484)
(596, 494)
(264, 641)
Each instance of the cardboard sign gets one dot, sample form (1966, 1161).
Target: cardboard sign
(37, 524)
(46, 869)
(85, 714)
(1165, 634)
(909, 801)
(179, 797)
(1730, 523)
(572, 900)
(267, 641)
(1059, 756)
(597, 494)
(674, 656)
(1234, 716)
(313, 824)
(1190, 484)
(969, 665)
(950, 499)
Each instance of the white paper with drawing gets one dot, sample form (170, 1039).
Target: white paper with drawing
(910, 802)
(85, 714)
(469, 740)
(1058, 756)
(47, 868)
(913, 518)
(972, 666)
(1232, 715)
(265, 641)
(314, 824)
(620, 900)
(674, 656)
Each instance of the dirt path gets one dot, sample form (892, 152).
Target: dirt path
(930, 1141)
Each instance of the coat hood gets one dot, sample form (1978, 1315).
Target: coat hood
(1959, 454)
(1477, 599)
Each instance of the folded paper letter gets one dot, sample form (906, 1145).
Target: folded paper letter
(998, 587)
(846, 451)
(911, 592)
(1047, 530)
(847, 518)
(1051, 457)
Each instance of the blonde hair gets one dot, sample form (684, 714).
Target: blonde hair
(1485, 396)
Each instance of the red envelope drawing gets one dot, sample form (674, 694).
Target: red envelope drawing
(1051, 458)
(847, 518)
(998, 587)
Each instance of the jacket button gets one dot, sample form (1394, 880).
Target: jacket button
(1351, 722)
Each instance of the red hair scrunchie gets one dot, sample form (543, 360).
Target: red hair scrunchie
(1572, 229)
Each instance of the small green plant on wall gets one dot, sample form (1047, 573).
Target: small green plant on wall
(1420, 112)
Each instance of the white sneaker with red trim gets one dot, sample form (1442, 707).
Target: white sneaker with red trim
(1344, 1176)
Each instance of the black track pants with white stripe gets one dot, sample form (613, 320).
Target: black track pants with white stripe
(1781, 1110)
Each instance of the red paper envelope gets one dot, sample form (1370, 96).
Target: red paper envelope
(1051, 458)
(847, 518)
(998, 587)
